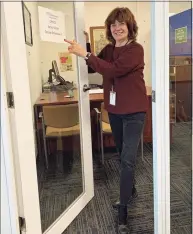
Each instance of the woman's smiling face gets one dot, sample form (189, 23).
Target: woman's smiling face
(119, 31)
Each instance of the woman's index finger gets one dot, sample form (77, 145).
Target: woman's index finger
(70, 42)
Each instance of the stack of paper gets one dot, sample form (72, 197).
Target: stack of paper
(92, 91)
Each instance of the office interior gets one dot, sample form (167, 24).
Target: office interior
(57, 130)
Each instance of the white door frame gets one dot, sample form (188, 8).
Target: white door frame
(160, 112)
(18, 75)
(9, 208)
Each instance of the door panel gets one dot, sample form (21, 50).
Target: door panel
(59, 165)
(56, 183)
(9, 208)
(160, 116)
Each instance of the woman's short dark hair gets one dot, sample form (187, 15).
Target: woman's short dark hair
(121, 14)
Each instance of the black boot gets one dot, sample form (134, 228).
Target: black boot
(133, 196)
(122, 220)
(123, 229)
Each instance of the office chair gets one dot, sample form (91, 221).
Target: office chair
(59, 121)
(105, 128)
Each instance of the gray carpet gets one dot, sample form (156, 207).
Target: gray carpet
(98, 217)
(58, 186)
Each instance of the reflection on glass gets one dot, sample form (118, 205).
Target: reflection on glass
(60, 183)
(59, 166)
(181, 119)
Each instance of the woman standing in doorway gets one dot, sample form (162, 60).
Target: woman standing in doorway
(121, 63)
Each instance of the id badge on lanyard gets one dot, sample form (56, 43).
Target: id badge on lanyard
(112, 97)
(112, 93)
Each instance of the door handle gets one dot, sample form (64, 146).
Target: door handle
(86, 88)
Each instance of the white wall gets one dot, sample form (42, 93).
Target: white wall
(177, 7)
(33, 55)
(97, 12)
(143, 17)
(33, 60)
(49, 50)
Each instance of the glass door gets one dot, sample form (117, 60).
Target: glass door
(50, 122)
(181, 134)
(172, 116)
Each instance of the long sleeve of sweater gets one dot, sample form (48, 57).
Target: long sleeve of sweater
(132, 58)
(90, 70)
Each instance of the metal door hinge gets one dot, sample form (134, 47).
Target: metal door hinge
(22, 225)
(153, 95)
(10, 100)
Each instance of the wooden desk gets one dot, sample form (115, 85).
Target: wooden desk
(181, 86)
(58, 98)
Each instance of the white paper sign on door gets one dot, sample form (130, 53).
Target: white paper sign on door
(51, 25)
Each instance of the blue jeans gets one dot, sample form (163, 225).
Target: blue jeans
(127, 130)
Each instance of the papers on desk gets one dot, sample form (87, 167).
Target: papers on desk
(92, 91)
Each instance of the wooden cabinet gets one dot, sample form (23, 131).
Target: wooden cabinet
(181, 87)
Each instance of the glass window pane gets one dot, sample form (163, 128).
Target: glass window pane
(181, 117)
(56, 110)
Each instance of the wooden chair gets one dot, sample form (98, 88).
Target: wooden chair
(59, 121)
(105, 128)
